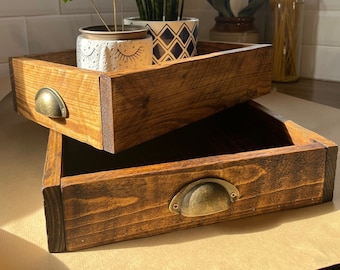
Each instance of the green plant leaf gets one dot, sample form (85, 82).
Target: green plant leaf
(252, 7)
(222, 6)
(224, 9)
(152, 10)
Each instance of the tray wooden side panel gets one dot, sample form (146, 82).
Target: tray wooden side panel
(114, 111)
(79, 90)
(206, 47)
(65, 58)
(52, 194)
(151, 102)
(331, 156)
(112, 206)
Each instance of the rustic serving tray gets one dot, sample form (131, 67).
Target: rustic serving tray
(268, 164)
(115, 111)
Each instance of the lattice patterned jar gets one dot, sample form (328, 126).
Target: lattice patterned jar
(171, 39)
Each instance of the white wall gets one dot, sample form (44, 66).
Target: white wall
(39, 26)
(321, 40)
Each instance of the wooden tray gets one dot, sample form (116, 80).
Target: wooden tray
(94, 198)
(115, 111)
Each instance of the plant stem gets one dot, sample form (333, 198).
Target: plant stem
(115, 14)
(100, 16)
(122, 13)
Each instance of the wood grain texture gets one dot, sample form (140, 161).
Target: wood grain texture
(120, 205)
(65, 58)
(109, 198)
(154, 101)
(52, 194)
(206, 47)
(117, 110)
(79, 90)
(331, 157)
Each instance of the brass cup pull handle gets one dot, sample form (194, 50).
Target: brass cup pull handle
(204, 197)
(49, 103)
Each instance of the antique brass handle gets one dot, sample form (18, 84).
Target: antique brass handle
(49, 103)
(204, 197)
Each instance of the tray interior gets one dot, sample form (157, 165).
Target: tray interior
(69, 57)
(239, 129)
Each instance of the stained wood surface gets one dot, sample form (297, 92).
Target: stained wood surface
(152, 102)
(64, 58)
(79, 90)
(53, 203)
(125, 204)
(331, 157)
(242, 128)
(130, 200)
(206, 47)
(117, 110)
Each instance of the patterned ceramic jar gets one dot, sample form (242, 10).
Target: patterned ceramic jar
(98, 49)
(171, 39)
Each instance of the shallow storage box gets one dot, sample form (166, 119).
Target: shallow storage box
(241, 162)
(115, 111)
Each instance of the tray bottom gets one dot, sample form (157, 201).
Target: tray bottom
(239, 129)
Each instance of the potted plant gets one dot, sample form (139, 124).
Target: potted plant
(174, 36)
(235, 20)
(113, 47)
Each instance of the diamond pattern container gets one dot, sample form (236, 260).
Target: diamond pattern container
(171, 39)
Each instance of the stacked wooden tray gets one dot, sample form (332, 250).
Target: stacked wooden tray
(190, 148)
(115, 111)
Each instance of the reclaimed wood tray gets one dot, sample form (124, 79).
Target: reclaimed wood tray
(115, 111)
(240, 162)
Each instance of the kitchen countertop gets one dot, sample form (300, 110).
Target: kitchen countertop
(324, 92)
(305, 238)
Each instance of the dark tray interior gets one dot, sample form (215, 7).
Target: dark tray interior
(238, 129)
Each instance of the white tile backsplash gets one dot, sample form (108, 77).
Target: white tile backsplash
(206, 20)
(321, 62)
(321, 40)
(39, 26)
(81, 6)
(104, 6)
(13, 37)
(29, 7)
(108, 18)
(320, 28)
(54, 33)
(311, 4)
(329, 5)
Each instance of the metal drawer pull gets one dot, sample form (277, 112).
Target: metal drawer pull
(204, 197)
(49, 103)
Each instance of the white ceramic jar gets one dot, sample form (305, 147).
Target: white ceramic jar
(98, 49)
